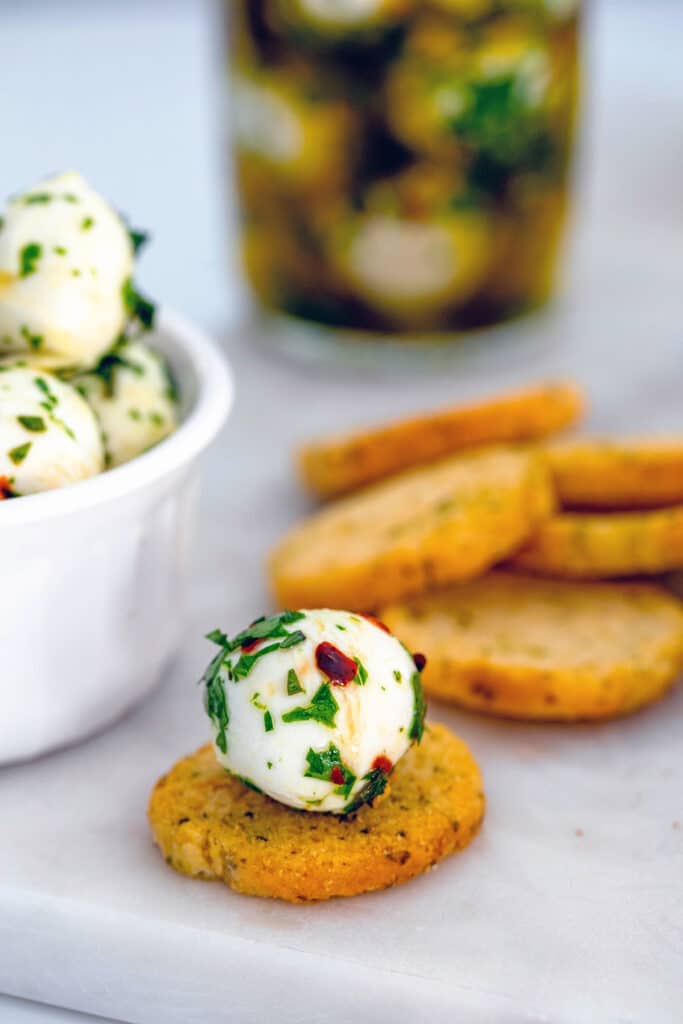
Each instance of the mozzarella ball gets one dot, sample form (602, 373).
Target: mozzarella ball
(314, 708)
(132, 394)
(65, 258)
(290, 128)
(417, 247)
(490, 99)
(336, 20)
(49, 436)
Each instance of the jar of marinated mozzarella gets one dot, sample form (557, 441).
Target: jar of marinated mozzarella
(402, 165)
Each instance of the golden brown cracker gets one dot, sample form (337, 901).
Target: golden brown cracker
(605, 545)
(447, 521)
(209, 825)
(618, 474)
(345, 462)
(526, 648)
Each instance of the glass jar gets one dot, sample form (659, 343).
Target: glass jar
(402, 165)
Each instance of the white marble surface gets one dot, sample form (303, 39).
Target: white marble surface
(569, 907)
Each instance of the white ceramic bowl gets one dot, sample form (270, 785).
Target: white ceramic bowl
(92, 575)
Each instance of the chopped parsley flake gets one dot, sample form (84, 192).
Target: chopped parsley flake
(261, 629)
(60, 250)
(328, 766)
(268, 723)
(341, 628)
(28, 257)
(138, 306)
(87, 223)
(397, 676)
(215, 701)
(292, 639)
(17, 455)
(361, 676)
(34, 341)
(138, 239)
(293, 683)
(37, 198)
(375, 784)
(36, 424)
(323, 708)
(51, 399)
(247, 661)
(248, 783)
(417, 724)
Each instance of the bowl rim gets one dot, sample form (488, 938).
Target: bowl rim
(214, 398)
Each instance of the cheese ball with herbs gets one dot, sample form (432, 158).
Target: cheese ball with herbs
(418, 244)
(290, 129)
(448, 98)
(49, 436)
(66, 261)
(132, 394)
(340, 21)
(314, 708)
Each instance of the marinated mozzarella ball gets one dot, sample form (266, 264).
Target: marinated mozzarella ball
(338, 20)
(49, 436)
(314, 708)
(132, 394)
(292, 128)
(489, 100)
(65, 258)
(418, 247)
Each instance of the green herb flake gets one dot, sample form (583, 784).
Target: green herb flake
(323, 708)
(215, 702)
(37, 199)
(139, 307)
(292, 639)
(249, 784)
(247, 661)
(217, 636)
(138, 239)
(18, 454)
(397, 676)
(375, 782)
(28, 257)
(328, 766)
(69, 197)
(419, 710)
(59, 250)
(361, 676)
(36, 424)
(268, 723)
(87, 223)
(269, 765)
(293, 683)
(340, 628)
(34, 341)
(265, 629)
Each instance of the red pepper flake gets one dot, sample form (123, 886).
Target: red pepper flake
(382, 764)
(420, 662)
(377, 622)
(339, 669)
(250, 644)
(5, 489)
(337, 776)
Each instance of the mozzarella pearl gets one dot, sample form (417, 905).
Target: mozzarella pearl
(316, 712)
(49, 436)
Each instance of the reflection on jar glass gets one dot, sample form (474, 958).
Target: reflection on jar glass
(402, 164)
